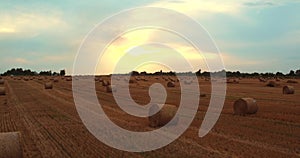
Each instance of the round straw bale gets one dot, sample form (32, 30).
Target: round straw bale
(272, 84)
(111, 88)
(10, 145)
(233, 81)
(163, 116)
(288, 90)
(262, 79)
(48, 85)
(171, 84)
(245, 106)
(68, 79)
(292, 81)
(2, 91)
(26, 79)
(105, 83)
(1, 81)
(188, 81)
(55, 80)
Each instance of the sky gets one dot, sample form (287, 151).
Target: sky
(252, 36)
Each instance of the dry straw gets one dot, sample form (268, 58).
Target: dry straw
(48, 85)
(162, 117)
(245, 106)
(10, 146)
(288, 90)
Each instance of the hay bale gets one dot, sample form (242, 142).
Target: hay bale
(48, 85)
(262, 79)
(162, 117)
(272, 84)
(288, 90)
(68, 79)
(291, 81)
(234, 81)
(105, 83)
(111, 88)
(245, 106)
(2, 91)
(10, 145)
(188, 81)
(2, 81)
(55, 80)
(171, 84)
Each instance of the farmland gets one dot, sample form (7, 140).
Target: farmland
(51, 127)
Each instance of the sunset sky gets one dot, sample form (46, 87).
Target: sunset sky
(252, 36)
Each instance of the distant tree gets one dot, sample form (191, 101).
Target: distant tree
(134, 73)
(292, 73)
(144, 73)
(206, 74)
(19, 72)
(45, 73)
(279, 74)
(62, 72)
(298, 72)
(55, 74)
(198, 73)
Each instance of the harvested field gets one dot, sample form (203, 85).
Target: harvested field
(50, 125)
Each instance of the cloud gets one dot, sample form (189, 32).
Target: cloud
(27, 23)
(260, 4)
(21, 61)
(200, 8)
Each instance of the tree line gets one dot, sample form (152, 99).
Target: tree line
(28, 72)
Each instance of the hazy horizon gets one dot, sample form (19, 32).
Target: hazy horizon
(251, 36)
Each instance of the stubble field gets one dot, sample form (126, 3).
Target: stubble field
(51, 127)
